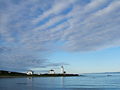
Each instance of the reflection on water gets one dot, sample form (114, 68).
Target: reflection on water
(30, 83)
(62, 82)
(87, 82)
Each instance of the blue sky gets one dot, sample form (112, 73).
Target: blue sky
(82, 35)
(96, 61)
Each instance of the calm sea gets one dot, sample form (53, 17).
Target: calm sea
(87, 82)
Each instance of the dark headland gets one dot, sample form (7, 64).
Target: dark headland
(4, 73)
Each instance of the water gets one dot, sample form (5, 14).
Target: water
(87, 82)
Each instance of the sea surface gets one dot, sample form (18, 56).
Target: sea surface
(86, 82)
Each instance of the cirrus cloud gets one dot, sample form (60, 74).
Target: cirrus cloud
(30, 29)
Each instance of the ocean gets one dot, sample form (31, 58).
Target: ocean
(85, 82)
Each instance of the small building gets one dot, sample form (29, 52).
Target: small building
(51, 71)
(30, 72)
(62, 70)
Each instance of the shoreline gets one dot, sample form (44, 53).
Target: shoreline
(32, 76)
(5, 74)
(42, 75)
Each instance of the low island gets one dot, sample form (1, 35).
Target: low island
(4, 73)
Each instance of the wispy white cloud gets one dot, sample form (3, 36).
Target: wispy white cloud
(35, 27)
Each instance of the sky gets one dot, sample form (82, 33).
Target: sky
(39, 35)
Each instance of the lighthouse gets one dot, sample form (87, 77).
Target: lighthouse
(62, 69)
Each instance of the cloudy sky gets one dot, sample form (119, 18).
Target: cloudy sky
(82, 35)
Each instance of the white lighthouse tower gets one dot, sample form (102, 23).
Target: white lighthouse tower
(62, 69)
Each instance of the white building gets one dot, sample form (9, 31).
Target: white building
(62, 70)
(30, 72)
(51, 72)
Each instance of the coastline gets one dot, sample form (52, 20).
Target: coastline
(43, 75)
(8, 74)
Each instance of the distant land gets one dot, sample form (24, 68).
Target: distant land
(105, 73)
(110, 73)
(4, 73)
